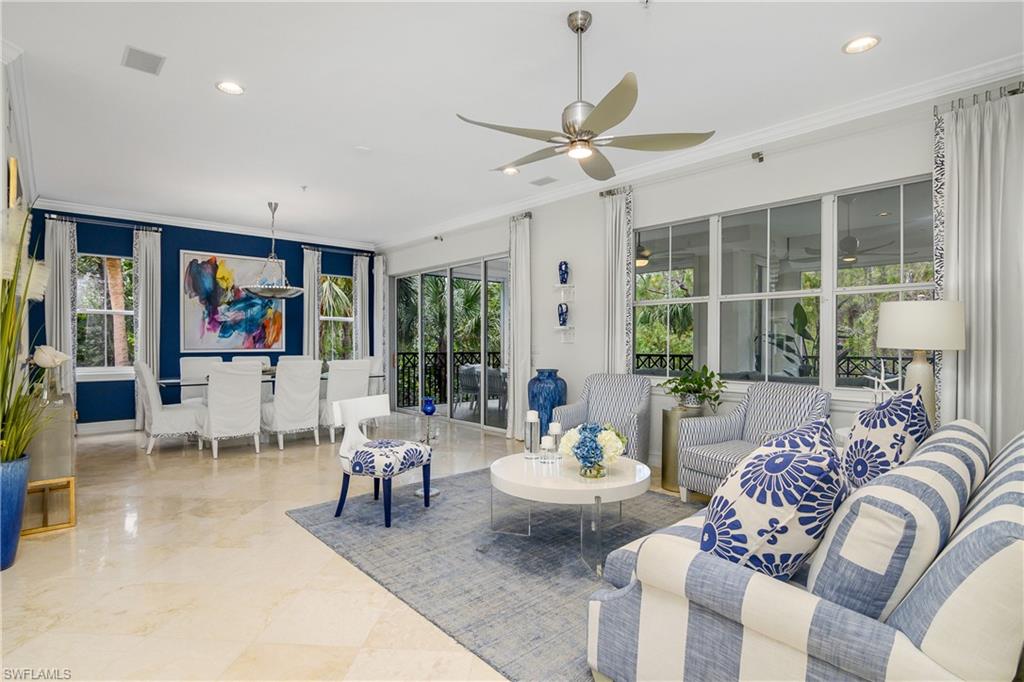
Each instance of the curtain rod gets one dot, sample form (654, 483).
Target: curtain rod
(1004, 91)
(616, 190)
(107, 223)
(346, 252)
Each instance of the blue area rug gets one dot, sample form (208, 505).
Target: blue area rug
(519, 603)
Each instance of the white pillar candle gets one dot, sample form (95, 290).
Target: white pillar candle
(547, 443)
(554, 428)
(532, 416)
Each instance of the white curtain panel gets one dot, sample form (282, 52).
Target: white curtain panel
(361, 306)
(61, 255)
(380, 313)
(618, 338)
(146, 257)
(520, 338)
(311, 302)
(979, 263)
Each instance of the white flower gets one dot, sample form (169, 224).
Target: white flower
(611, 444)
(569, 439)
(37, 281)
(49, 357)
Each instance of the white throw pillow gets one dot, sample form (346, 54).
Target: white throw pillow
(883, 437)
(772, 510)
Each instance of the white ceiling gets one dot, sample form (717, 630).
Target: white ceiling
(322, 78)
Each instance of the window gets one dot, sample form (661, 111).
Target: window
(883, 253)
(771, 284)
(104, 313)
(671, 287)
(785, 293)
(336, 319)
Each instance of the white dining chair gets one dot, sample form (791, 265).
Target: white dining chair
(196, 369)
(159, 420)
(295, 407)
(345, 379)
(232, 404)
(266, 388)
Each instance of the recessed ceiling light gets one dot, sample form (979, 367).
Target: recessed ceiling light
(860, 44)
(230, 88)
(361, 148)
(510, 170)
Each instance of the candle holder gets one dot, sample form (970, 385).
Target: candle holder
(531, 434)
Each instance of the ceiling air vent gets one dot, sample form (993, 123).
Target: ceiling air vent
(140, 60)
(546, 180)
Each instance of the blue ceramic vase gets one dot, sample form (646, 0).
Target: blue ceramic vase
(563, 272)
(428, 408)
(13, 486)
(563, 314)
(547, 391)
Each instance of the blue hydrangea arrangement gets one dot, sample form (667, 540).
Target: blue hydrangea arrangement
(594, 446)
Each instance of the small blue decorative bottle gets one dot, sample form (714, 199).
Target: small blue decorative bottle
(428, 408)
(563, 314)
(563, 272)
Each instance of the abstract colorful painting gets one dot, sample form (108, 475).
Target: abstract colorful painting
(217, 315)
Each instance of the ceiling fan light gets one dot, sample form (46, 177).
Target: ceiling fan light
(642, 262)
(510, 170)
(580, 149)
(849, 259)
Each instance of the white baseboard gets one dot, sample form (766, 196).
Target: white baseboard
(116, 426)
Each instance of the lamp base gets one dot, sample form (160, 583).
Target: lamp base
(919, 372)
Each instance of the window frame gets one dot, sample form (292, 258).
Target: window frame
(333, 318)
(106, 372)
(826, 293)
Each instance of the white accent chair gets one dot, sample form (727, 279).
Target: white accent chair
(266, 388)
(196, 368)
(346, 379)
(295, 406)
(164, 420)
(233, 404)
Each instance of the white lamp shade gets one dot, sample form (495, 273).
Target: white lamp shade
(921, 325)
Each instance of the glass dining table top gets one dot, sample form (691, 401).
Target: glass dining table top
(267, 378)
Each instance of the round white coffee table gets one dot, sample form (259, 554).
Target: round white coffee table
(559, 482)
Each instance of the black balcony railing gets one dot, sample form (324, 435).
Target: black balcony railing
(435, 374)
(847, 366)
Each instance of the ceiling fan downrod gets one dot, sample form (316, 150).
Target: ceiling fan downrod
(576, 113)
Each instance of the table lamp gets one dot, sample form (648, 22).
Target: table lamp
(921, 326)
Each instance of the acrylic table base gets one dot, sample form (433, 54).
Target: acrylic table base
(515, 516)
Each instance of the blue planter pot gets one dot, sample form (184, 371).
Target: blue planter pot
(547, 391)
(13, 485)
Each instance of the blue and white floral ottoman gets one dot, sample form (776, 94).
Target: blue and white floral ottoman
(383, 460)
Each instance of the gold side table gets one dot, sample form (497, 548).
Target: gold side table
(670, 442)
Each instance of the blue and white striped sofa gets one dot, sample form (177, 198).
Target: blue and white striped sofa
(622, 400)
(675, 612)
(710, 447)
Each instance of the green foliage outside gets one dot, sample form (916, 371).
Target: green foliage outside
(335, 301)
(104, 339)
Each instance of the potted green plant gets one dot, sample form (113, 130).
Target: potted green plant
(20, 408)
(695, 388)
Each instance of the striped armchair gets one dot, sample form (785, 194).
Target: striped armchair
(622, 400)
(711, 447)
(918, 577)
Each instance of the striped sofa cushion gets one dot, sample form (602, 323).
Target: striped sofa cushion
(773, 407)
(890, 530)
(966, 612)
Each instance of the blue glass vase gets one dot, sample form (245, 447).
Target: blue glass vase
(547, 391)
(563, 314)
(563, 272)
(13, 486)
(428, 408)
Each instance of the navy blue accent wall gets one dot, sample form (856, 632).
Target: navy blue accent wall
(114, 400)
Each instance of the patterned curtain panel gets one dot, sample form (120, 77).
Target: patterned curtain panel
(146, 259)
(520, 338)
(979, 246)
(61, 254)
(618, 211)
(311, 302)
(361, 307)
(380, 313)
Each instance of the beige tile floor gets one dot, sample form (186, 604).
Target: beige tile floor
(182, 567)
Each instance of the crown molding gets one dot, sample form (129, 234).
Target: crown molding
(144, 218)
(10, 52)
(781, 136)
(14, 68)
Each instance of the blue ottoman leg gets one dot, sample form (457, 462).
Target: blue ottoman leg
(426, 485)
(341, 498)
(387, 502)
(376, 488)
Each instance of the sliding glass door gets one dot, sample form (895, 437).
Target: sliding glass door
(451, 341)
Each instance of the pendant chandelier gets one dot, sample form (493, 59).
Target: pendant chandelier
(269, 285)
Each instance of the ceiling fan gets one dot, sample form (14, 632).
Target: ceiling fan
(584, 125)
(849, 246)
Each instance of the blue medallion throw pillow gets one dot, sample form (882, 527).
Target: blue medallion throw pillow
(772, 510)
(883, 437)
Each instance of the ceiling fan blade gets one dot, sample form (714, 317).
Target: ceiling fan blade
(538, 155)
(876, 248)
(614, 108)
(532, 133)
(597, 166)
(656, 142)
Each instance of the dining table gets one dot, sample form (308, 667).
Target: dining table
(267, 378)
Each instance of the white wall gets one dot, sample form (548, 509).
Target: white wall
(894, 146)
